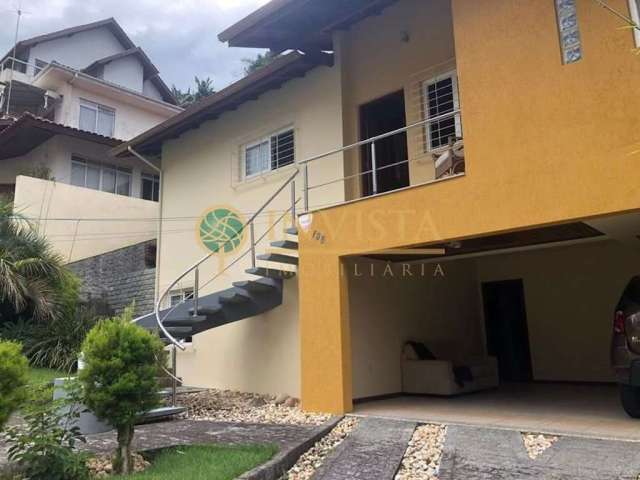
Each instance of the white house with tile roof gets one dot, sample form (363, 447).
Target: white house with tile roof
(66, 98)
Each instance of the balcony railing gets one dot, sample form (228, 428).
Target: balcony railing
(376, 166)
(15, 65)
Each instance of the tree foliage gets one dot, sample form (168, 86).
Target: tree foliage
(203, 88)
(57, 343)
(44, 447)
(120, 378)
(13, 377)
(261, 60)
(31, 274)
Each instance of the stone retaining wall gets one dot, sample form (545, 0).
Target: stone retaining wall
(120, 277)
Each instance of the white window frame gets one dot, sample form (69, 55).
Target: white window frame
(155, 179)
(634, 10)
(183, 293)
(453, 75)
(77, 159)
(267, 139)
(98, 108)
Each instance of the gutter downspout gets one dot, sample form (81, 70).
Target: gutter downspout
(160, 204)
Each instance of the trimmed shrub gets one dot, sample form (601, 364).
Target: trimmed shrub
(120, 378)
(43, 448)
(13, 377)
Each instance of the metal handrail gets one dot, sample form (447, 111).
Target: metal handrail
(10, 63)
(236, 260)
(196, 265)
(369, 141)
(391, 133)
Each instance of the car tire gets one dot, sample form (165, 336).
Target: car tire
(630, 397)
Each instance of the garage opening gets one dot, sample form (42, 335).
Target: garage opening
(510, 330)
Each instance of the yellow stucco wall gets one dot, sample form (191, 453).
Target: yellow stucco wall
(544, 143)
(410, 42)
(201, 171)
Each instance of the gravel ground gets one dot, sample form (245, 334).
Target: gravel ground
(230, 406)
(309, 462)
(100, 466)
(536, 443)
(422, 459)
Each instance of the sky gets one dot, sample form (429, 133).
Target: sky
(180, 36)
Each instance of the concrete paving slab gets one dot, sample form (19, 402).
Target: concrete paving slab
(373, 450)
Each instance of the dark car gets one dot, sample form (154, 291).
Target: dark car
(625, 347)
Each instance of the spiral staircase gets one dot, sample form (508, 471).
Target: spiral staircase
(242, 300)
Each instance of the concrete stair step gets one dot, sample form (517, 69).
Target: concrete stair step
(270, 273)
(270, 264)
(160, 413)
(207, 311)
(235, 297)
(278, 258)
(287, 252)
(254, 286)
(287, 244)
(184, 322)
(179, 333)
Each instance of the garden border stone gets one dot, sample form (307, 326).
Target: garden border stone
(287, 458)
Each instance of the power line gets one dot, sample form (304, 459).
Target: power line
(136, 219)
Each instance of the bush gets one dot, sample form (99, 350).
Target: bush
(31, 272)
(13, 377)
(120, 378)
(55, 344)
(43, 448)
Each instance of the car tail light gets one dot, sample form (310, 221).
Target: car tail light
(618, 322)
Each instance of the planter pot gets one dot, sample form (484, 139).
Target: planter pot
(87, 422)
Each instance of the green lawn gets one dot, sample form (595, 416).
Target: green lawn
(38, 376)
(210, 462)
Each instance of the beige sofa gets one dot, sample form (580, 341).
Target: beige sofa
(437, 377)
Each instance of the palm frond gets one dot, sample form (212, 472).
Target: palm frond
(13, 288)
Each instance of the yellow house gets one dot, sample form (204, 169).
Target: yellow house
(463, 174)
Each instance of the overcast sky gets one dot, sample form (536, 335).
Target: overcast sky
(180, 36)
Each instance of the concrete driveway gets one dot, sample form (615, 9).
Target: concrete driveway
(376, 447)
(565, 409)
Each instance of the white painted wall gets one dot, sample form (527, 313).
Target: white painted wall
(570, 295)
(54, 206)
(150, 90)
(127, 71)
(130, 120)
(388, 309)
(77, 51)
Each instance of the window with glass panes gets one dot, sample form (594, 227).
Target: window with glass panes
(98, 176)
(97, 118)
(150, 188)
(441, 98)
(270, 153)
(179, 296)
